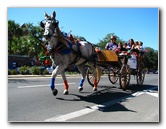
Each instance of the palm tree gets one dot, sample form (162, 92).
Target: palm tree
(14, 30)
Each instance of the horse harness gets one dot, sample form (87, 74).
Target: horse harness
(62, 49)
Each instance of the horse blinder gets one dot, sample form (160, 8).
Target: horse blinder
(55, 23)
(41, 24)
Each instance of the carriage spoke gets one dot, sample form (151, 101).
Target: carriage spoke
(140, 73)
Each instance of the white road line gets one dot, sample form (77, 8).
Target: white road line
(70, 115)
(150, 92)
(43, 85)
(85, 111)
(153, 94)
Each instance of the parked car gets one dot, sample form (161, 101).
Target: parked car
(156, 72)
(49, 69)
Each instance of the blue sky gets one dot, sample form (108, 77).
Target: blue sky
(141, 24)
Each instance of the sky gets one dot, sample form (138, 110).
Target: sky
(94, 24)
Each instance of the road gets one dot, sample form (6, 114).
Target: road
(30, 100)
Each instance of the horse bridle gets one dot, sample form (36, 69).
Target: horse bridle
(55, 23)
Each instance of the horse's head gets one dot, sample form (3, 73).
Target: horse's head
(52, 32)
(50, 25)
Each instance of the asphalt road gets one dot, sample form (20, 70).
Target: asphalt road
(30, 100)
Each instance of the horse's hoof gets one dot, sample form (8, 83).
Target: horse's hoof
(80, 88)
(65, 92)
(94, 89)
(55, 92)
(124, 89)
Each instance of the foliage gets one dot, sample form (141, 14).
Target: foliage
(9, 71)
(151, 59)
(13, 31)
(45, 72)
(24, 70)
(80, 38)
(102, 43)
(70, 73)
(24, 40)
(12, 72)
(35, 70)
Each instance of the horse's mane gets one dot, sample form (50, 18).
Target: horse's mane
(61, 37)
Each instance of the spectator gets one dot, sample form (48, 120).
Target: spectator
(141, 46)
(136, 45)
(130, 44)
(120, 47)
(112, 44)
(142, 49)
(125, 46)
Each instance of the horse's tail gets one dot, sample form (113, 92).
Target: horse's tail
(94, 54)
(98, 70)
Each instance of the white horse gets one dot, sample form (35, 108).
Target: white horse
(65, 53)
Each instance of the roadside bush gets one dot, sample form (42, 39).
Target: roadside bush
(45, 72)
(12, 72)
(24, 70)
(35, 70)
(70, 73)
(9, 71)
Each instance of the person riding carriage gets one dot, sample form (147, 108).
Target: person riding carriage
(112, 45)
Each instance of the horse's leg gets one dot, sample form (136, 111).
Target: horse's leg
(66, 86)
(60, 68)
(83, 72)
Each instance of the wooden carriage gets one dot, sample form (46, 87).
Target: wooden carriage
(117, 67)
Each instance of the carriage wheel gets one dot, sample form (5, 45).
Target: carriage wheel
(113, 76)
(140, 73)
(90, 76)
(124, 78)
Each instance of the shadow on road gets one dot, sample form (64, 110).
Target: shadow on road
(109, 94)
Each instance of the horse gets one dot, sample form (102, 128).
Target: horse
(64, 53)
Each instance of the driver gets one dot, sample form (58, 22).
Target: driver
(112, 45)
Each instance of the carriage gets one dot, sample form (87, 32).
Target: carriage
(119, 67)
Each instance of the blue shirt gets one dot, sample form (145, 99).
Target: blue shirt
(111, 46)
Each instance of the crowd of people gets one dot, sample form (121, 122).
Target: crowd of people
(131, 45)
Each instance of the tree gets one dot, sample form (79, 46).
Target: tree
(14, 31)
(25, 39)
(80, 38)
(102, 43)
(150, 59)
(34, 39)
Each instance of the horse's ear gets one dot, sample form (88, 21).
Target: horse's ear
(46, 15)
(54, 14)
